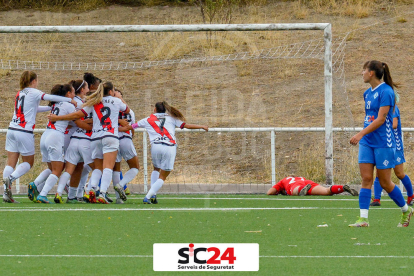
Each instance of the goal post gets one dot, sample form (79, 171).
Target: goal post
(327, 59)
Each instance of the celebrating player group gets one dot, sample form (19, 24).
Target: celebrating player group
(90, 129)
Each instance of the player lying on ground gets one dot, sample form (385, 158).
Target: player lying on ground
(300, 186)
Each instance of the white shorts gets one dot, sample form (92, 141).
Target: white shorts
(126, 150)
(66, 142)
(21, 142)
(163, 156)
(104, 145)
(51, 146)
(79, 150)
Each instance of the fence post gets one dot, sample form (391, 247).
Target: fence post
(273, 153)
(144, 153)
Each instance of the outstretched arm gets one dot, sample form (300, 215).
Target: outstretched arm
(68, 117)
(190, 126)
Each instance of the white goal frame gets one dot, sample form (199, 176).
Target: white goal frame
(325, 27)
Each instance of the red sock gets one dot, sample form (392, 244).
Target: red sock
(337, 189)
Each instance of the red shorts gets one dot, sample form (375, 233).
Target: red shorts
(301, 186)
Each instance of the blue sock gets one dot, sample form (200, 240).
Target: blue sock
(406, 181)
(100, 183)
(364, 198)
(125, 186)
(377, 189)
(397, 196)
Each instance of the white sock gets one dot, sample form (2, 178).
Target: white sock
(106, 180)
(95, 177)
(128, 176)
(7, 172)
(42, 177)
(64, 178)
(363, 213)
(154, 176)
(50, 182)
(88, 187)
(116, 178)
(72, 192)
(154, 188)
(40, 186)
(404, 208)
(85, 173)
(20, 170)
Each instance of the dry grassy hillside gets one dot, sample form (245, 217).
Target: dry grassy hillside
(231, 94)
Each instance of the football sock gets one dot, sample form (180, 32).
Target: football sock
(20, 170)
(154, 188)
(50, 182)
(8, 170)
(95, 177)
(64, 178)
(377, 189)
(116, 178)
(106, 180)
(337, 189)
(84, 177)
(364, 200)
(72, 192)
(406, 181)
(40, 186)
(398, 198)
(154, 176)
(42, 177)
(129, 175)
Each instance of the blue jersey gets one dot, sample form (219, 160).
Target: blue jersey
(397, 131)
(382, 137)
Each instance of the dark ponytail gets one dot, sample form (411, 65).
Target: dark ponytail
(163, 107)
(381, 70)
(60, 90)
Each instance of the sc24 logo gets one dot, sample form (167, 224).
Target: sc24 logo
(228, 255)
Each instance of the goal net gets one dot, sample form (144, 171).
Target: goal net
(242, 84)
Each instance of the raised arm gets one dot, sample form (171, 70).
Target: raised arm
(191, 126)
(68, 117)
(54, 98)
(41, 108)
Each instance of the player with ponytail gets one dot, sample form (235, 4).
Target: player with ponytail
(377, 143)
(104, 140)
(161, 130)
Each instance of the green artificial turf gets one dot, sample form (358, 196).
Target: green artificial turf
(289, 228)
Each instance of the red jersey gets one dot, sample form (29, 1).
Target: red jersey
(287, 184)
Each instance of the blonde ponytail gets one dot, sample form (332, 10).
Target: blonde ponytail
(96, 97)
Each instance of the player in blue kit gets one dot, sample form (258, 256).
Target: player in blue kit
(399, 162)
(377, 142)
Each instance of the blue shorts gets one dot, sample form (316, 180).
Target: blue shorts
(382, 158)
(399, 157)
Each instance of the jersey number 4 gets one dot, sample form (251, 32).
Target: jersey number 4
(19, 109)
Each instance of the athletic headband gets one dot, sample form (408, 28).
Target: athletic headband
(83, 82)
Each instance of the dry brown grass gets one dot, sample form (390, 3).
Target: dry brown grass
(243, 93)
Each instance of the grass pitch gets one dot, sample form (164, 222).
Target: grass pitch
(39, 239)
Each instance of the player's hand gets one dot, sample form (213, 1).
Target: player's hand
(88, 121)
(52, 117)
(74, 103)
(123, 122)
(205, 128)
(355, 139)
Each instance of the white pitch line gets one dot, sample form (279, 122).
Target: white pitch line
(150, 256)
(250, 198)
(48, 209)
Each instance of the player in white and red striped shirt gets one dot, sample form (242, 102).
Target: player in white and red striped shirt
(161, 130)
(105, 142)
(20, 138)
